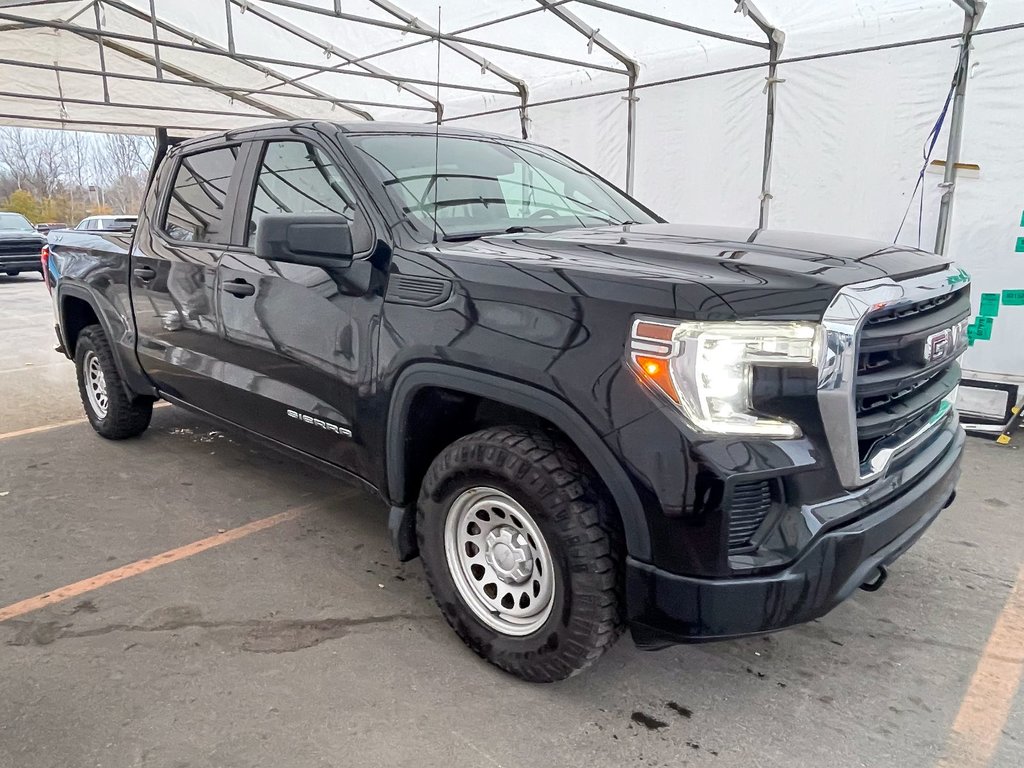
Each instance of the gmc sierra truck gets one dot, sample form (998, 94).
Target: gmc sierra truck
(581, 418)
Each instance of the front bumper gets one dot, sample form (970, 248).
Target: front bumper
(879, 524)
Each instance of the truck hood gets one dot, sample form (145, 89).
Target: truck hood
(21, 234)
(749, 272)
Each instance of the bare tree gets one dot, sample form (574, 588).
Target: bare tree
(34, 159)
(124, 163)
(72, 174)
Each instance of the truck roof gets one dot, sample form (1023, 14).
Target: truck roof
(352, 127)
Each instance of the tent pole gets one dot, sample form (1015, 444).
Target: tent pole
(631, 100)
(774, 50)
(485, 66)
(776, 39)
(230, 26)
(103, 60)
(156, 36)
(235, 92)
(956, 130)
(652, 19)
(632, 72)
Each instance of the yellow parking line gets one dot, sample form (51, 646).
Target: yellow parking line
(58, 425)
(44, 428)
(141, 566)
(986, 705)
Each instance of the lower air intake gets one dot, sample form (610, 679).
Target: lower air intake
(751, 503)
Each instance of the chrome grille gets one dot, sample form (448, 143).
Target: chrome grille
(20, 246)
(895, 383)
(885, 380)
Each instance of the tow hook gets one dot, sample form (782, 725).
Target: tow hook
(879, 580)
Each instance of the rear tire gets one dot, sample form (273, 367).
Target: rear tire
(111, 412)
(521, 553)
(14, 273)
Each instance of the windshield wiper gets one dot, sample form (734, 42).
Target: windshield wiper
(513, 230)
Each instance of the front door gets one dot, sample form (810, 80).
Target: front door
(304, 335)
(178, 246)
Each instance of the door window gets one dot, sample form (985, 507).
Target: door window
(296, 177)
(195, 210)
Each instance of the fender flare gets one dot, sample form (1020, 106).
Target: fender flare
(528, 398)
(133, 380)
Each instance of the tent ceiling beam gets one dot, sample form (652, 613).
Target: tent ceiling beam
(472, 27)
(485, 66)
(420, 30)
(595, 37)
(326, 45)
(78, 10)
(156, 34)
(510, 17)
(194, 81)
(197, 79)
(103, 58)
(670, 23)
(115, 126)
(124, 105)
(208, 46)
(248, 60)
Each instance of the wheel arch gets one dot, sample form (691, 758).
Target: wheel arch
(76, 304)
(76, 310)
(523, 397)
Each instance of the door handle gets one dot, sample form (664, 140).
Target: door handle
(145, 274)
(239, 287)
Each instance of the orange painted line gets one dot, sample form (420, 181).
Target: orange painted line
(44, 428)
(142, 566)
(58, 425)
(986, 705)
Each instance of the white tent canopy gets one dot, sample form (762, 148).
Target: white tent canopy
(801, 114)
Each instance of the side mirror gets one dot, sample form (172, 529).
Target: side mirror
(314, 239)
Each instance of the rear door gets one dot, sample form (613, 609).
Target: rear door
(302, 339)
(178, 246)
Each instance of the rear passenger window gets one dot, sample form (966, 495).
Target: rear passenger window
(296, 177)
(195, 211)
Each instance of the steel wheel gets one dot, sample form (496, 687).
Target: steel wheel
(499, 561)
(95, 385)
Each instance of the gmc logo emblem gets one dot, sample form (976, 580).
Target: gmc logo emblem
(946, 343)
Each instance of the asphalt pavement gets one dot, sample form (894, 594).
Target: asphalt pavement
(300, 640)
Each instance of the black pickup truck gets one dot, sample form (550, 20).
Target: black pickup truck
(581, 417)
(20, 245)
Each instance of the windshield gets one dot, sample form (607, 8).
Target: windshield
(15, 221)
(486, 187)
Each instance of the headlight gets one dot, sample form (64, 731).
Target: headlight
(706, 368)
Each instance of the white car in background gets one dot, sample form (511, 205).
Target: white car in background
(109, 223)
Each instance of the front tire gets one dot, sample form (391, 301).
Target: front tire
(519, 549)
(111, 412)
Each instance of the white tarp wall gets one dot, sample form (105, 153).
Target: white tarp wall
(860, 86)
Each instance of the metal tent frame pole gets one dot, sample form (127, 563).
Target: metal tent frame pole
(251, 60)
(430, 35)
(234, 91)
(485, 66)
(776, 39)
(972, 15)
(632, 72)
(208, 46)
(331, 49)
